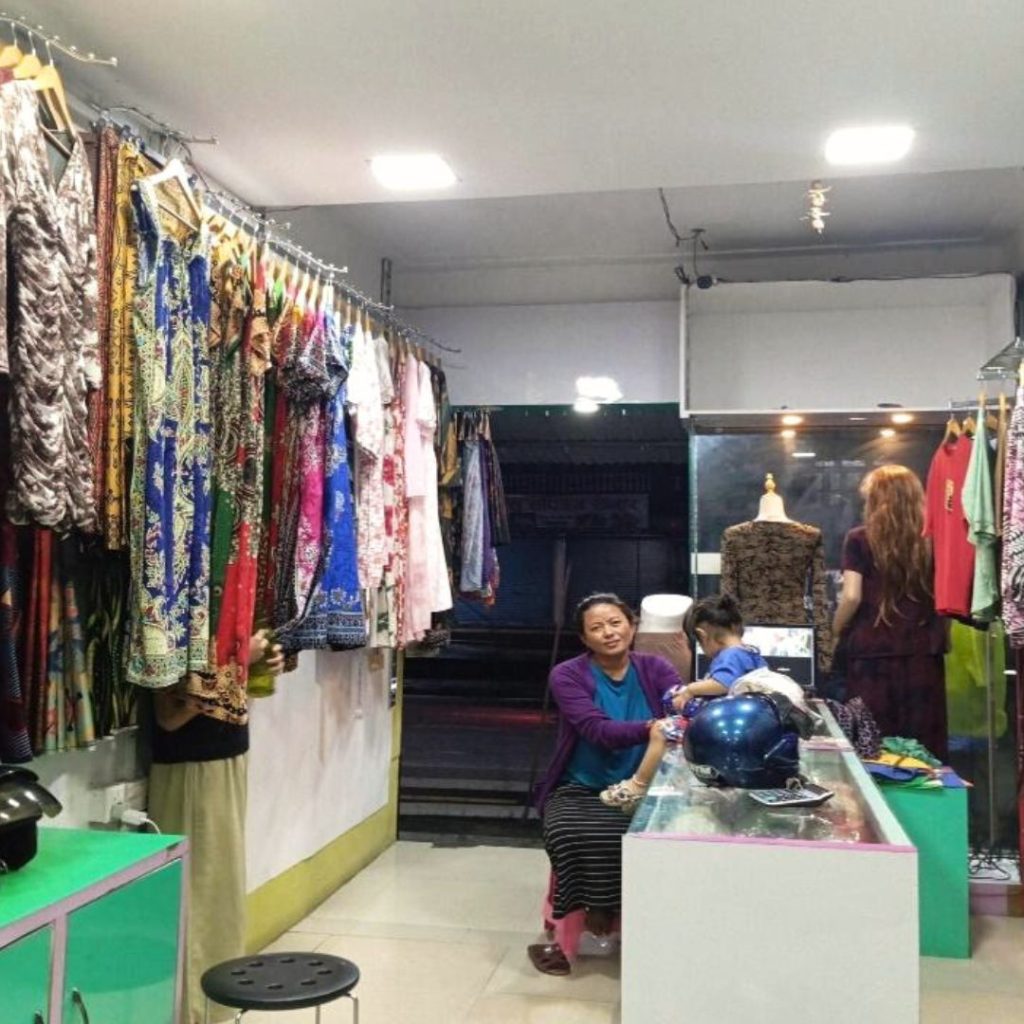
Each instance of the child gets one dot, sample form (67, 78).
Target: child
(718, 626)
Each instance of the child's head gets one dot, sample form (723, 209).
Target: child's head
(716, 622)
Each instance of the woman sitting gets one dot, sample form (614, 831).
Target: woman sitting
(608, 699)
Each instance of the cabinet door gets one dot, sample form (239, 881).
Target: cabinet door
(122, 953)
(25, 979)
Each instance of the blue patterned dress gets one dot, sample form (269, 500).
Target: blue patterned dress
(170, 491)
(336, 618)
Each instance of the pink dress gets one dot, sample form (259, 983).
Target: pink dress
(417, 569)
(364, 399)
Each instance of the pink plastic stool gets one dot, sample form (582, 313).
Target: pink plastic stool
(568, 930)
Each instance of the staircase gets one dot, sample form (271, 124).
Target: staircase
(472, 731)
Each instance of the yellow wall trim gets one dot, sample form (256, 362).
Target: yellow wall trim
(282, 902)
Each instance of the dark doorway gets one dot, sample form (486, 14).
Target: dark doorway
(602, 498)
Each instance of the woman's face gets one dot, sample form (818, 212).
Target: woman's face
(607, 630)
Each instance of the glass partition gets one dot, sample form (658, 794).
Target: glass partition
(818, 466)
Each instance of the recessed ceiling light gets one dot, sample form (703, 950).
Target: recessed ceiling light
(586, 405)
(902, 417)
(887, 432)
(414, 172)
(884, 144)
(792, 420)
(788, 434)
(805, 455)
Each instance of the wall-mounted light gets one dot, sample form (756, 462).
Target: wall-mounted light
(598, 389)
(900, 418)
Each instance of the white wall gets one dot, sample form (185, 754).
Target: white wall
(321, 752)
(319, 762)
(532, 355)
(71, 775)
(826, 345)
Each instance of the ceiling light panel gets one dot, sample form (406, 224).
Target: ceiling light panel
(415, 172)
(883, 144)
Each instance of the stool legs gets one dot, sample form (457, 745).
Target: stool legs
(355, 1008)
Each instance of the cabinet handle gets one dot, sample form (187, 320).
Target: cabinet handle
(79, 1000)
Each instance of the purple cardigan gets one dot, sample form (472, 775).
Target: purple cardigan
(572, 687)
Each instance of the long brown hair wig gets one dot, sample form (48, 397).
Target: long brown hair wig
(894, 518)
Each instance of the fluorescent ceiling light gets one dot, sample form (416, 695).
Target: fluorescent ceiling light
(902, 417)
(416, 172)
(598, 389)
(583, 404)
(792, 420)
(884, 144)
(805, 455)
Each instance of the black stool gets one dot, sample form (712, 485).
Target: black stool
(281, 981)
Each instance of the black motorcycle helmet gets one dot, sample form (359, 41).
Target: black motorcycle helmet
(23, 801)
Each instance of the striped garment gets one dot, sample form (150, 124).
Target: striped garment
(1013, 527)
(583, 839)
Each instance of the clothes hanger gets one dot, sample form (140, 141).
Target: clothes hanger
(11, 55)
(49, 83)
(30, 65)
(953, 430)
(991, 423)
(174, 171)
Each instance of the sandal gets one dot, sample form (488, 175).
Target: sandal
(624, 796)
(549, 959)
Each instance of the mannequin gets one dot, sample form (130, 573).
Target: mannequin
(771, 509)
(772, 565)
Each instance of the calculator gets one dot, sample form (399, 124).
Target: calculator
(807, 795)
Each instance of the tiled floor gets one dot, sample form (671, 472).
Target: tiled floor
(440, 935)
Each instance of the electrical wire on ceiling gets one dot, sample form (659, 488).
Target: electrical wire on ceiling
(697, 242)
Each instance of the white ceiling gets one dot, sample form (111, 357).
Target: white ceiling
(535, 97)
(872, 212)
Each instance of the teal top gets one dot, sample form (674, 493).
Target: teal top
(594, 766)
(979, 510)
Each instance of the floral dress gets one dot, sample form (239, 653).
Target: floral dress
(52, 346)
(336, 619)
(169, 605)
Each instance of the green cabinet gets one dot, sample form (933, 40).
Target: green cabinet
(121, 957)
(25, 970)
(95, 919)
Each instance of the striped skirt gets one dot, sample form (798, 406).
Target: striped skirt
(583, 839)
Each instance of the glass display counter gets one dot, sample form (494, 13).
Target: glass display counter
(733, 911)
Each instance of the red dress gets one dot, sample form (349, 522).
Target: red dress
(946, 524)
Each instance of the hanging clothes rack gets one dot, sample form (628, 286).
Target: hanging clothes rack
(266, 229)
(39, 32)
(161, 128)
